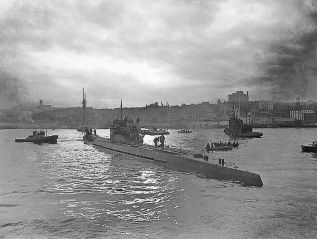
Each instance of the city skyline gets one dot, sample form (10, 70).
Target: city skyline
(237, 98)
(147, 51)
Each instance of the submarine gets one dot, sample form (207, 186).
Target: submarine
(126, 138)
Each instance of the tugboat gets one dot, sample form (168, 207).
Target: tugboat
(237, 129)
(126, 138)
(39, 137)
(310, 147)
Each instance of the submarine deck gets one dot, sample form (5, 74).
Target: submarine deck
(177, 152)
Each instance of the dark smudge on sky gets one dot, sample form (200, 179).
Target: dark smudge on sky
(11, 90)
(292, 72)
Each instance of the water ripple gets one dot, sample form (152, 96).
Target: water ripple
(72, 190)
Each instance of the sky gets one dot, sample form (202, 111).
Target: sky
(143, 51)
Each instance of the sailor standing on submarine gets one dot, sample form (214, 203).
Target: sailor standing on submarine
(162, 139)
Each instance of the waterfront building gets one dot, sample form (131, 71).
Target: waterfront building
(43, 107)
(300, 114)
(238, 97)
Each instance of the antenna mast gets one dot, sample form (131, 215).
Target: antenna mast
(121, 110)
(246, 112)
(84, 106)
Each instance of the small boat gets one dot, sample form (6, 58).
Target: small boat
(310, 147)
(39, 137)
(184, 131)
(154, 131)
(219, 147)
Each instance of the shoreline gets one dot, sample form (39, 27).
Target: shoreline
(2, 127)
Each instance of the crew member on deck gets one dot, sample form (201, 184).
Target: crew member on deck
(156, 139)
(162, 139)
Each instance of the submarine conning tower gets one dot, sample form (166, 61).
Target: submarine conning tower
(125, 131)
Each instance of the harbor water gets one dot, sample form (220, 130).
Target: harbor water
(73, 190)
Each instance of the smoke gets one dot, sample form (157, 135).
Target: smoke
(292, 69)
(11, 90)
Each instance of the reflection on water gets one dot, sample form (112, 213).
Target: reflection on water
(72, 190)
(132, 190)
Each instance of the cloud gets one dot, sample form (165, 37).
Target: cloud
(145, 51)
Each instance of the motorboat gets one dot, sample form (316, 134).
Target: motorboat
(310, 147)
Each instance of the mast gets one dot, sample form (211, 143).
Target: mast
(84, 106)
(234, 109)
(246, 112)
(121, 110)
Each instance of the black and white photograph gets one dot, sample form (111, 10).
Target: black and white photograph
(158, 119)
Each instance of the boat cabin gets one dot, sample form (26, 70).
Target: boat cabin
(237, 127)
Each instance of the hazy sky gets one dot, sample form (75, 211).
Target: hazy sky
(156, 50)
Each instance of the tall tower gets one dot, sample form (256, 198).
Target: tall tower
(297, 104)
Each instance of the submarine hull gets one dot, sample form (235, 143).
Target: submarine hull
(182, 162)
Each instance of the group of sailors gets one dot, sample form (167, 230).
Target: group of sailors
(221, 144)
(41, 132)
(222, 162)
(160, 139)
